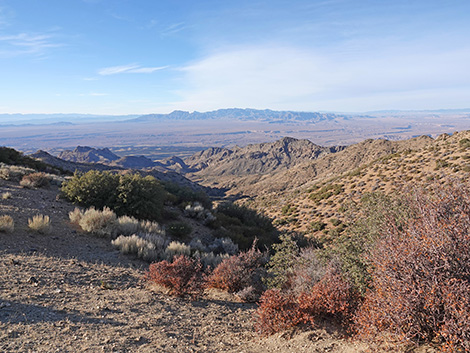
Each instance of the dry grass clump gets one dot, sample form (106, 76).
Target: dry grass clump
(6, 195)
(176, 248)
(7, 225)
(35, 180)
(40, 224)
(128, 225)
(76, 215)
(150, 227)
(100, 223)
(138, 246)
(149, 247)
(13, 172)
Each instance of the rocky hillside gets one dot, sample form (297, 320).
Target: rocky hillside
(314, 195)
(262, 158)
(84, 154)
(127, 163)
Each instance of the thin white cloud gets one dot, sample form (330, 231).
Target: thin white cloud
(281, 77)
(129, 69)
(172, 29)
(26, 43)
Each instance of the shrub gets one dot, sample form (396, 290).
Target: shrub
(127, 225)
(40, 224)
(7, 225)
(281, 265)
(179, 194)
(13, 157)
(422, 273)
(277, 312)
(131, 194)
(14, 173)
(183, 276)
(308, 269)
(371, 217)
(243, 225)
(223, 246)
(100, 223)
(140, 197)
(175, 248)
(179, 229)
(317, 226)
(92, 189)
(75, 215)
(35, 180)
(331, 298)
(138, 246)
(151, 227)
(209, 260)
(239, 272)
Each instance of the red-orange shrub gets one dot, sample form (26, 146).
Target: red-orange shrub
(277, 311)
(239, 272)
(331, 298)
(183, 276)
(421, 278)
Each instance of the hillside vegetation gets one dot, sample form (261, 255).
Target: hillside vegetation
(374, 243)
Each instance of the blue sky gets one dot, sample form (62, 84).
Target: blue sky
(155, 56)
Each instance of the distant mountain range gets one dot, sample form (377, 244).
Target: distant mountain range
(266, 115)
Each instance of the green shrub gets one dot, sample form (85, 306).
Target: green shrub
(140, 197)
(179, 229)
(243, 225)
(281, 265)
(92, 189)
(131, 194)
(182, 195)
(372, 216)
(317, 226)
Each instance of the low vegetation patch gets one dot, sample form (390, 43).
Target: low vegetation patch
(40, 224)
(35, 180)
(7, 225)
(102, 223)
(182, 276)
(130, 194)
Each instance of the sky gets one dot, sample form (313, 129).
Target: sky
(156, 56)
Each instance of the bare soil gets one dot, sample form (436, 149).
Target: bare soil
(70, 292)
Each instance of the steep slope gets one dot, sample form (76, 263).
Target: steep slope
(256, 159)
(135, 162)
(313, 195)
(286, 164)
(84, 154)
(67, 165)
